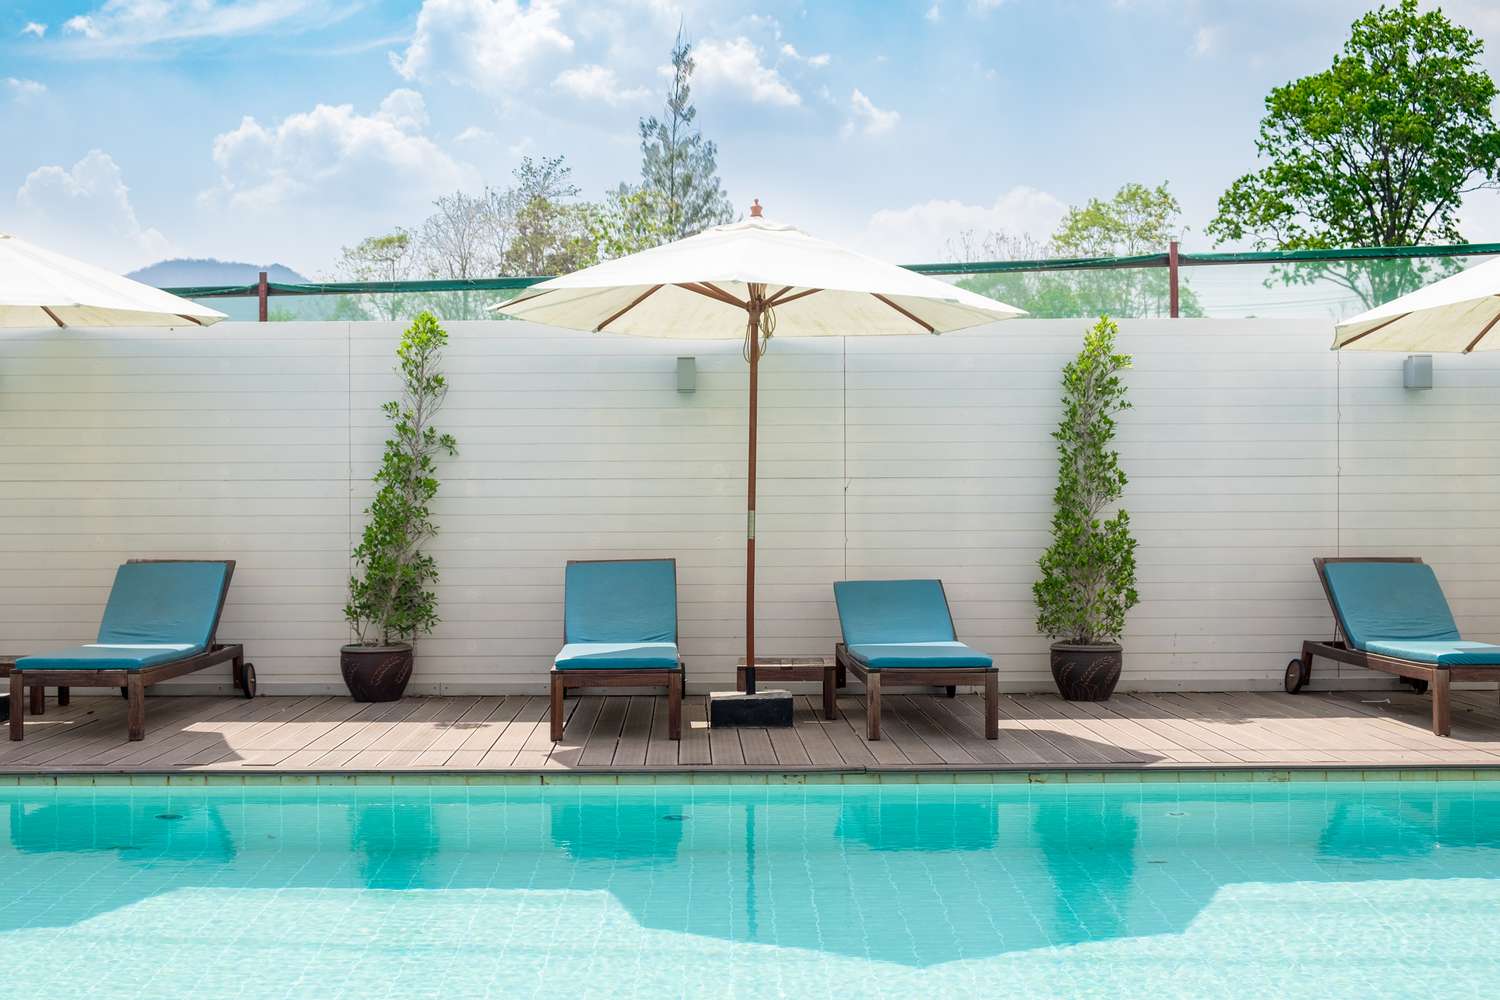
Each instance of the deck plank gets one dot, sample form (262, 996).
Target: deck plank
(628, 732)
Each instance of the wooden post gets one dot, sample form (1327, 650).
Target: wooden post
(17, 695)
(752, 334)
(1172, 277)
(263, 293)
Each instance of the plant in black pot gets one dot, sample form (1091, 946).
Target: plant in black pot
(1088, 572)
(391, 600)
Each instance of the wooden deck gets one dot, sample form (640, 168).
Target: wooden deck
(624, 733)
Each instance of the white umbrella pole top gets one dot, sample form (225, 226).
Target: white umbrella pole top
(747, 281)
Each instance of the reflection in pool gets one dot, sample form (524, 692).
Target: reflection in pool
(1159, 889)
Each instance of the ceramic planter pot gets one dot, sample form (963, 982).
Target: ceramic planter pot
(1086, 673)
(376, 673)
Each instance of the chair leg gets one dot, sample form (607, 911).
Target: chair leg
(952, 690)
(38, 700)
(557, 708)
(872, 705)
(830, 683)
(674, 706)
(992, 705)
(135, 711)
(1441, 713)
(64, 695)
(17, 696)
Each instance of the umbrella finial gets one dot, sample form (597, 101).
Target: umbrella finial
(755, 209)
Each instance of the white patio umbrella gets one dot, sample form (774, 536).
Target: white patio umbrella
(42, 288)
(749, 281)
(1456, 315)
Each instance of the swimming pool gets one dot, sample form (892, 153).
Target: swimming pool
(1254, 889)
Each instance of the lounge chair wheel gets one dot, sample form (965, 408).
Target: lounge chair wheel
(248, 687)
(1297, 674)
(1417, 684)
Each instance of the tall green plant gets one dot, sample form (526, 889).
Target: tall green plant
(390, 595)
(1088, 572)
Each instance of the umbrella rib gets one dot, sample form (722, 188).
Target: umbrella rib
(907, 313)
(634, 302)
(715, 288)
(49, 312)
(189, 319)
(1373, 329)
(1483, 333)
(709, 292)
(779, 301)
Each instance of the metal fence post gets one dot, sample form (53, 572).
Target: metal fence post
(1172, 278)
(263, 293)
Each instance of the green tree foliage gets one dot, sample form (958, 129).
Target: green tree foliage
(1087, 579)
(550, 229)
(1136, 220)
(388, 257)
(390, 595)
(630, 220)
(679, 167)
(1377, 150)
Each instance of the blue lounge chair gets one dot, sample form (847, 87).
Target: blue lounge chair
(619, 630)
(160, 622)
(901, 632)
(1391, 616)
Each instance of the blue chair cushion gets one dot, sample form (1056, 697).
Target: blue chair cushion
(616, 655)
(1389, 601)
(909, 655)
(878, 612)
(631, 601)
(164, 604)
(1448, 653)
(103, 656)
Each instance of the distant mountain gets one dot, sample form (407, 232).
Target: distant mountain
(185, 272)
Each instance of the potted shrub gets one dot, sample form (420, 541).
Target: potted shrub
(1088, 572)
(391, 600)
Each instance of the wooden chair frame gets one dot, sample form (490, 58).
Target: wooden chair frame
(133, 683)
(1424, 676)
(671, 678)
(949, 677)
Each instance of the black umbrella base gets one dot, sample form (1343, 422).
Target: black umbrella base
(727, 709)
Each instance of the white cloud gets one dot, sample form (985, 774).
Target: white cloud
(597, 83)
(1206, 40)
(22, 90)
(923, 231)
(735, 66)
(867, 118)
(117, 25)
(935, 12)
(475, 134)
(36, 28)
(336, 161)
(984, 6)
(490, 45)
(85, 211)
(818, 61)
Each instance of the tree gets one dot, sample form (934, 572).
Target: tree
(391, 257)
(551, 232)
(678, 166)
(1087, 581)
(630, 220)
(1377, 150)
(457, 240)
(1136, 220)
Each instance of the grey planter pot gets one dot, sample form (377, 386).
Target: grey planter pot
(1087, 673)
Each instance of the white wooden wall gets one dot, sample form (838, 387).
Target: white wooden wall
(1251, 449)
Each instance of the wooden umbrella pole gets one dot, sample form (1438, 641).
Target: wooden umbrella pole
(752, 335)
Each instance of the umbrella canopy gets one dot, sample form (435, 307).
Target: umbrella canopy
(42, 288)
(747, 281)
(1456, 315)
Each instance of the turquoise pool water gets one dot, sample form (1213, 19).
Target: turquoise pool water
(1297, 889)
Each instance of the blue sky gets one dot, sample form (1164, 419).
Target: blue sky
(282, 129)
